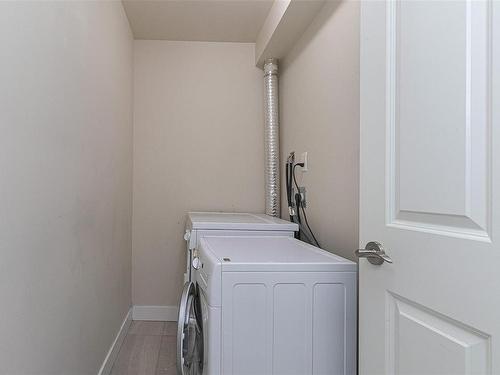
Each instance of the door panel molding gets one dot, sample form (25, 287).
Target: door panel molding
(455, 139)
(433, 338)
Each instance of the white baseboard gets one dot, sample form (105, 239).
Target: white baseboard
(115, 347)
(158, 313)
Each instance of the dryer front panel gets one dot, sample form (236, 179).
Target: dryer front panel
(211, 317)
(289, 323)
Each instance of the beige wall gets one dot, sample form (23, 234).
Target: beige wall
(319, 92)
(198, 145)
(65, 184)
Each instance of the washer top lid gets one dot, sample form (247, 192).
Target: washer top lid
(237, 221)
(272, 254)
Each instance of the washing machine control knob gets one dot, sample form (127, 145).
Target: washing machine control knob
(196, 263)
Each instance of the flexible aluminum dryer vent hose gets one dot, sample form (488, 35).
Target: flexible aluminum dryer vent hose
(271, 138)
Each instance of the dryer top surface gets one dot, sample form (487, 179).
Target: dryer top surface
(272, 254)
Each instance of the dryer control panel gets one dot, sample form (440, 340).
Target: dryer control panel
(209, 274)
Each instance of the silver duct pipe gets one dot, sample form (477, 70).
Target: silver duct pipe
(271, 139)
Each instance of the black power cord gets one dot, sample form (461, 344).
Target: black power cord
(292, 203)
(300, 204)
(288, 171)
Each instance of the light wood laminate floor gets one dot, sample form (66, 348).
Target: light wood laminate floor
(148, 349)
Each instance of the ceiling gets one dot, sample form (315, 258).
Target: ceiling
(205, 20)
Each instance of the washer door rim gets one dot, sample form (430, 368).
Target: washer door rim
(185, 324)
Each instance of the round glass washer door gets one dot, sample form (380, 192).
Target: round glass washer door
(189, 333)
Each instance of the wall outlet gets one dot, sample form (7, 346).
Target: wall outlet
(303, 159)
(302, 191)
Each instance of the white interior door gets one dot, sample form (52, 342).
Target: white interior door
(430, 187)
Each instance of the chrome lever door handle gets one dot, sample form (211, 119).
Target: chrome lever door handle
(374, 252)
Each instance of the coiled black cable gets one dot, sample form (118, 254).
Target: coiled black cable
(300, 204)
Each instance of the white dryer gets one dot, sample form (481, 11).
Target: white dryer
(201, 224)
(268, 305)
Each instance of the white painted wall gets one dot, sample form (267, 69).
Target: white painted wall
(65, 184)
(198, 145)
(319, 93)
